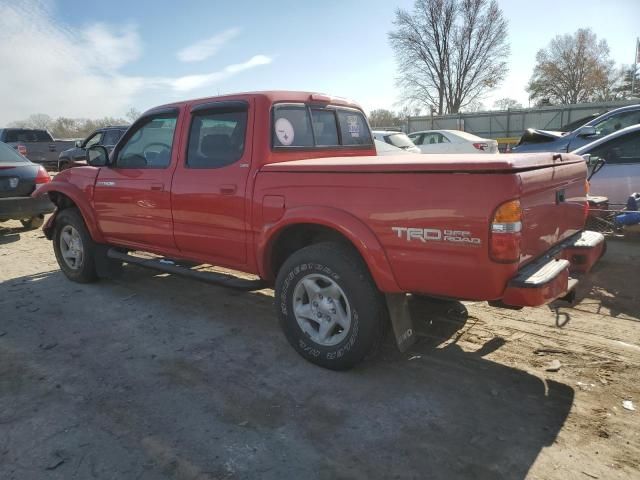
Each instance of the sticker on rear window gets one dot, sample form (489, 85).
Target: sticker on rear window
(284, 131)
(353, 125)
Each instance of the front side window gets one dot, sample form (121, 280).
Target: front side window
(43, 136)
(93, 140)
(216, 138)
(150, 143)
(625, 149)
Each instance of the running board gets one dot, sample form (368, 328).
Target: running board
(169, 266)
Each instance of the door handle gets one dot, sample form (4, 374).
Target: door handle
(228, 189)
(157, 186)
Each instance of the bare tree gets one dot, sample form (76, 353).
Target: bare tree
(383, 118)
(449, 52)
(572, 69)
(37, 120)
(506, 104)
(132, 114)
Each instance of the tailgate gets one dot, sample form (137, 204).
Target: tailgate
(39, 151)
(553, 200)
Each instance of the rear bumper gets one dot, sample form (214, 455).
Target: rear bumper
(17, 208)
(553, 275)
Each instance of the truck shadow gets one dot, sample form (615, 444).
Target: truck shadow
(215, 359)
(8, 235)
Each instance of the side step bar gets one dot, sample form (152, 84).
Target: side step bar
(168, 266)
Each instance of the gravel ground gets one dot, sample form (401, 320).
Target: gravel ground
(153, 376)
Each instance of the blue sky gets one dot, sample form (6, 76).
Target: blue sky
(72, 58)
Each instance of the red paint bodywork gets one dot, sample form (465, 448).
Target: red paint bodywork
(233, 216)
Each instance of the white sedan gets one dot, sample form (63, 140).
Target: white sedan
(452, 141)
(620, 175)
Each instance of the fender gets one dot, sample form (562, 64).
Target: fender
(80, 194)
(359, 234)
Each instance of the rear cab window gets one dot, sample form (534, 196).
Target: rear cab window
(312, 126)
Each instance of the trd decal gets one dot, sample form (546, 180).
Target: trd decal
(425, 235)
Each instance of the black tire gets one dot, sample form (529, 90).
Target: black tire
(369, 315)
(33, 223)
(86, 272)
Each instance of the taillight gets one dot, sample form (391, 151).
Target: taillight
(22, 150)
(42, 177)
(506, 233)
(481, 146)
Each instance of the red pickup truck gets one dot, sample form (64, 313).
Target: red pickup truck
(287, 186)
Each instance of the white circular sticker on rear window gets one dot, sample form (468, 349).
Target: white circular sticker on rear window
(284, 131)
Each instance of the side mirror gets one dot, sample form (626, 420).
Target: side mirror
(97, 156)
(587, 131)
(78, 144)
(587, 158)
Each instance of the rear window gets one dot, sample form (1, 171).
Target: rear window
(9, 155)
(19, 135)
(308, 127)
(399, 140)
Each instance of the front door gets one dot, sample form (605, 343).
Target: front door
(209, 186)
(132, 196)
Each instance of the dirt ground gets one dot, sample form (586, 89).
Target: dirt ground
(153, 376)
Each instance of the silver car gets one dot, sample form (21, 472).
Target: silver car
(620, 175)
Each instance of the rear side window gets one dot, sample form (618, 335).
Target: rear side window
(216, 138)
(354, 128)
(42, 136)
(308, 127)
(111, 137)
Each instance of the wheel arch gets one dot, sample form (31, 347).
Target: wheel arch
(303, 226)
(64, 198)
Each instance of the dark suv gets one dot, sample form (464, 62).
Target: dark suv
(77, 156)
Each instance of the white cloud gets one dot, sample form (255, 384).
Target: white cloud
(49, 68)
(208, 47)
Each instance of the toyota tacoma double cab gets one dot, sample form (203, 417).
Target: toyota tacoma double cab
(287, 186)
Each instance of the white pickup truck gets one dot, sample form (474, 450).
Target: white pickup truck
(35, 144)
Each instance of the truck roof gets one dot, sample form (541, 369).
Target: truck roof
(272, 96)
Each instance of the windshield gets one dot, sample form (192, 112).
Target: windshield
(399, 140)
(9, 155)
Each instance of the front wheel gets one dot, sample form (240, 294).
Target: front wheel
(329, 307)
(74, 248)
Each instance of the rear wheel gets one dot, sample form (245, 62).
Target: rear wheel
(74, 247)
(329, 307)
(33, 222)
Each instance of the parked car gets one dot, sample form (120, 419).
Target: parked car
(77, 156)
(396, 139)
(251, 183)
(452, 141)
(383, 148)
(619, 177)
(534, 140)
(36, 144)
(19, 178)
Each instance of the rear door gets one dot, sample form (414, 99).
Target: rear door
(620, 176)
(209, 195)
(132, 196)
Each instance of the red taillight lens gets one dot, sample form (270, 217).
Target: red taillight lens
(22, 150)
(481, 146)
(506, 233)
(42, 176)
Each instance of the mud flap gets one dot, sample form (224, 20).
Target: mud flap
(105, 266)
(401, 321)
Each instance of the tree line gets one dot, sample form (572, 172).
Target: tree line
(451, 53)
(64, 127)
